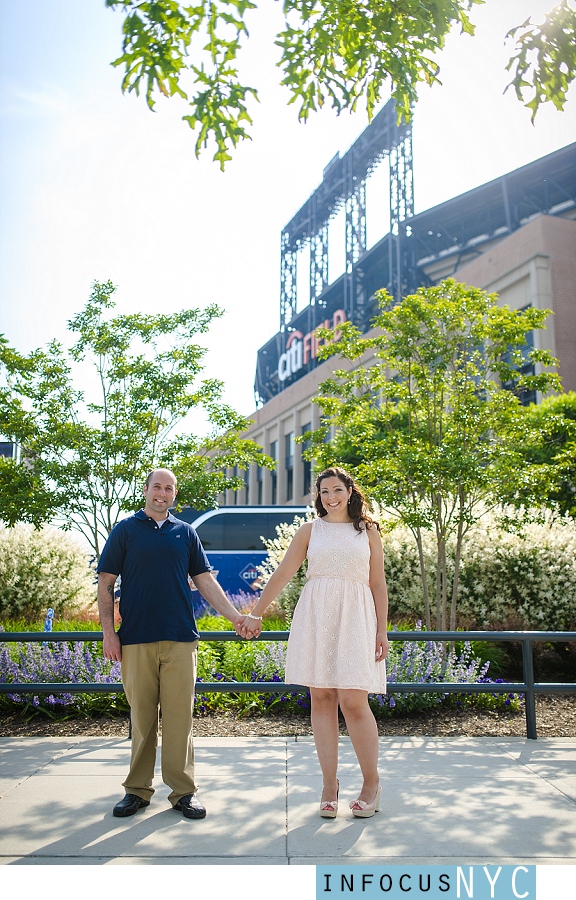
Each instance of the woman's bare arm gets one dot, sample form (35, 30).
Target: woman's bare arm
(293, 559)
(379, 592)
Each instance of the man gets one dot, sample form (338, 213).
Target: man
(157, 641)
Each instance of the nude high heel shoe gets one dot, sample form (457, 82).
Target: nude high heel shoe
(329, 808)
(363, 810)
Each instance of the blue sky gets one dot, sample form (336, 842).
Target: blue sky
(94, 186)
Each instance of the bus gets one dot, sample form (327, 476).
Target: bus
(232, 538)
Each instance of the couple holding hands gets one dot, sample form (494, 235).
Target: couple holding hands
(337, 645)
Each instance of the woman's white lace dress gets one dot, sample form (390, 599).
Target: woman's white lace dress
(332, 640)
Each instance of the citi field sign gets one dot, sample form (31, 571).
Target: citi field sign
(300, 348)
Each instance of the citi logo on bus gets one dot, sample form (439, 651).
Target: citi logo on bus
(249, 574)
(300, 349)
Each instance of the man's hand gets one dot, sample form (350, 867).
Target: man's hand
(240, 627)
(112, 648)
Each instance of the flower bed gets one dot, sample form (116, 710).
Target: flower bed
(230, 661)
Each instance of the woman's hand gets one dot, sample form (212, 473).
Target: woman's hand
(382, 646)
(253, 627)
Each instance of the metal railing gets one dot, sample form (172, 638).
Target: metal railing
(528, 687)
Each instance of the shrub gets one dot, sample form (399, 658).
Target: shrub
(521, 578)
(409, 661)
(525, 580)
(237, 661)
(41, 568)
(415, 661)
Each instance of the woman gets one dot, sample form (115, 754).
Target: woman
(338, 640)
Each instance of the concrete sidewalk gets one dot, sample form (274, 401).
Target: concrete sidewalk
(445, 801)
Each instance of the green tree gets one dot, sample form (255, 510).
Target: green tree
(23, 494)
(427, 425)
(554, 444)
(85, 458)
(335, 51)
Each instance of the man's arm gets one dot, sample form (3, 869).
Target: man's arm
(111, 646)
(215, 596)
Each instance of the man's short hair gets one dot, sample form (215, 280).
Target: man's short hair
(170, 472)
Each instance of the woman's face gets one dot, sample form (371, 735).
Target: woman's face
(334, 495)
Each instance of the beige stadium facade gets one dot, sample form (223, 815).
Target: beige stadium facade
(534, 265)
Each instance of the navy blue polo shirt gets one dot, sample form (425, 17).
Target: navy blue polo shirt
(154, 562)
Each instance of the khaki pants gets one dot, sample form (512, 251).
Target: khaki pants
(160, 675)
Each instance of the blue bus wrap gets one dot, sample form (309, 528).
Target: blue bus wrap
(232, 538)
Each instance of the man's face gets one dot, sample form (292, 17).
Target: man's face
(160, 493)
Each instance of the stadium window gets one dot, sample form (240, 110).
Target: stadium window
(290, 452)
(526, 397)
(259, 481)
(274, 476)
(247, 486)
(325, 424)
(306, 464)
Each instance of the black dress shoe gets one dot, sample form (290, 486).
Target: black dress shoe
(129, 805)
(191, 807)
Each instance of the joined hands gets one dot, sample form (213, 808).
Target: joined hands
(248, 628)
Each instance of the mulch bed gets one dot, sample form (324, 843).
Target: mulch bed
(555, 717)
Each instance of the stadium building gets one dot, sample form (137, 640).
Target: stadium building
(515, 236)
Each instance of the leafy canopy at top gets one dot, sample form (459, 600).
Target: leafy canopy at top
(335, 51)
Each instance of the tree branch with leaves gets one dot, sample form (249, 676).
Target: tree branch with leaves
(339, 52)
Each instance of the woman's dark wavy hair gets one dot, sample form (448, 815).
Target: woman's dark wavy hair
(357, 504)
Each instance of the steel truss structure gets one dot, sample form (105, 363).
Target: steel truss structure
(444, 238)
(419, 250)
(344, 185)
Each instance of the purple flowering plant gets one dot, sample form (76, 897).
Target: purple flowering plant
(243, 601)
(61, 661)
(435, 661)
(409, 661)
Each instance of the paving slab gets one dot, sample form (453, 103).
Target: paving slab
(111, 756)
(433, 861)
(144, 861)
(549, 761)
(20, 758)
(444, 801)
(566, 785)
(79, 812)
(444, 817)
(410, 756)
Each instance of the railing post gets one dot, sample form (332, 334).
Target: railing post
(530, 696)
